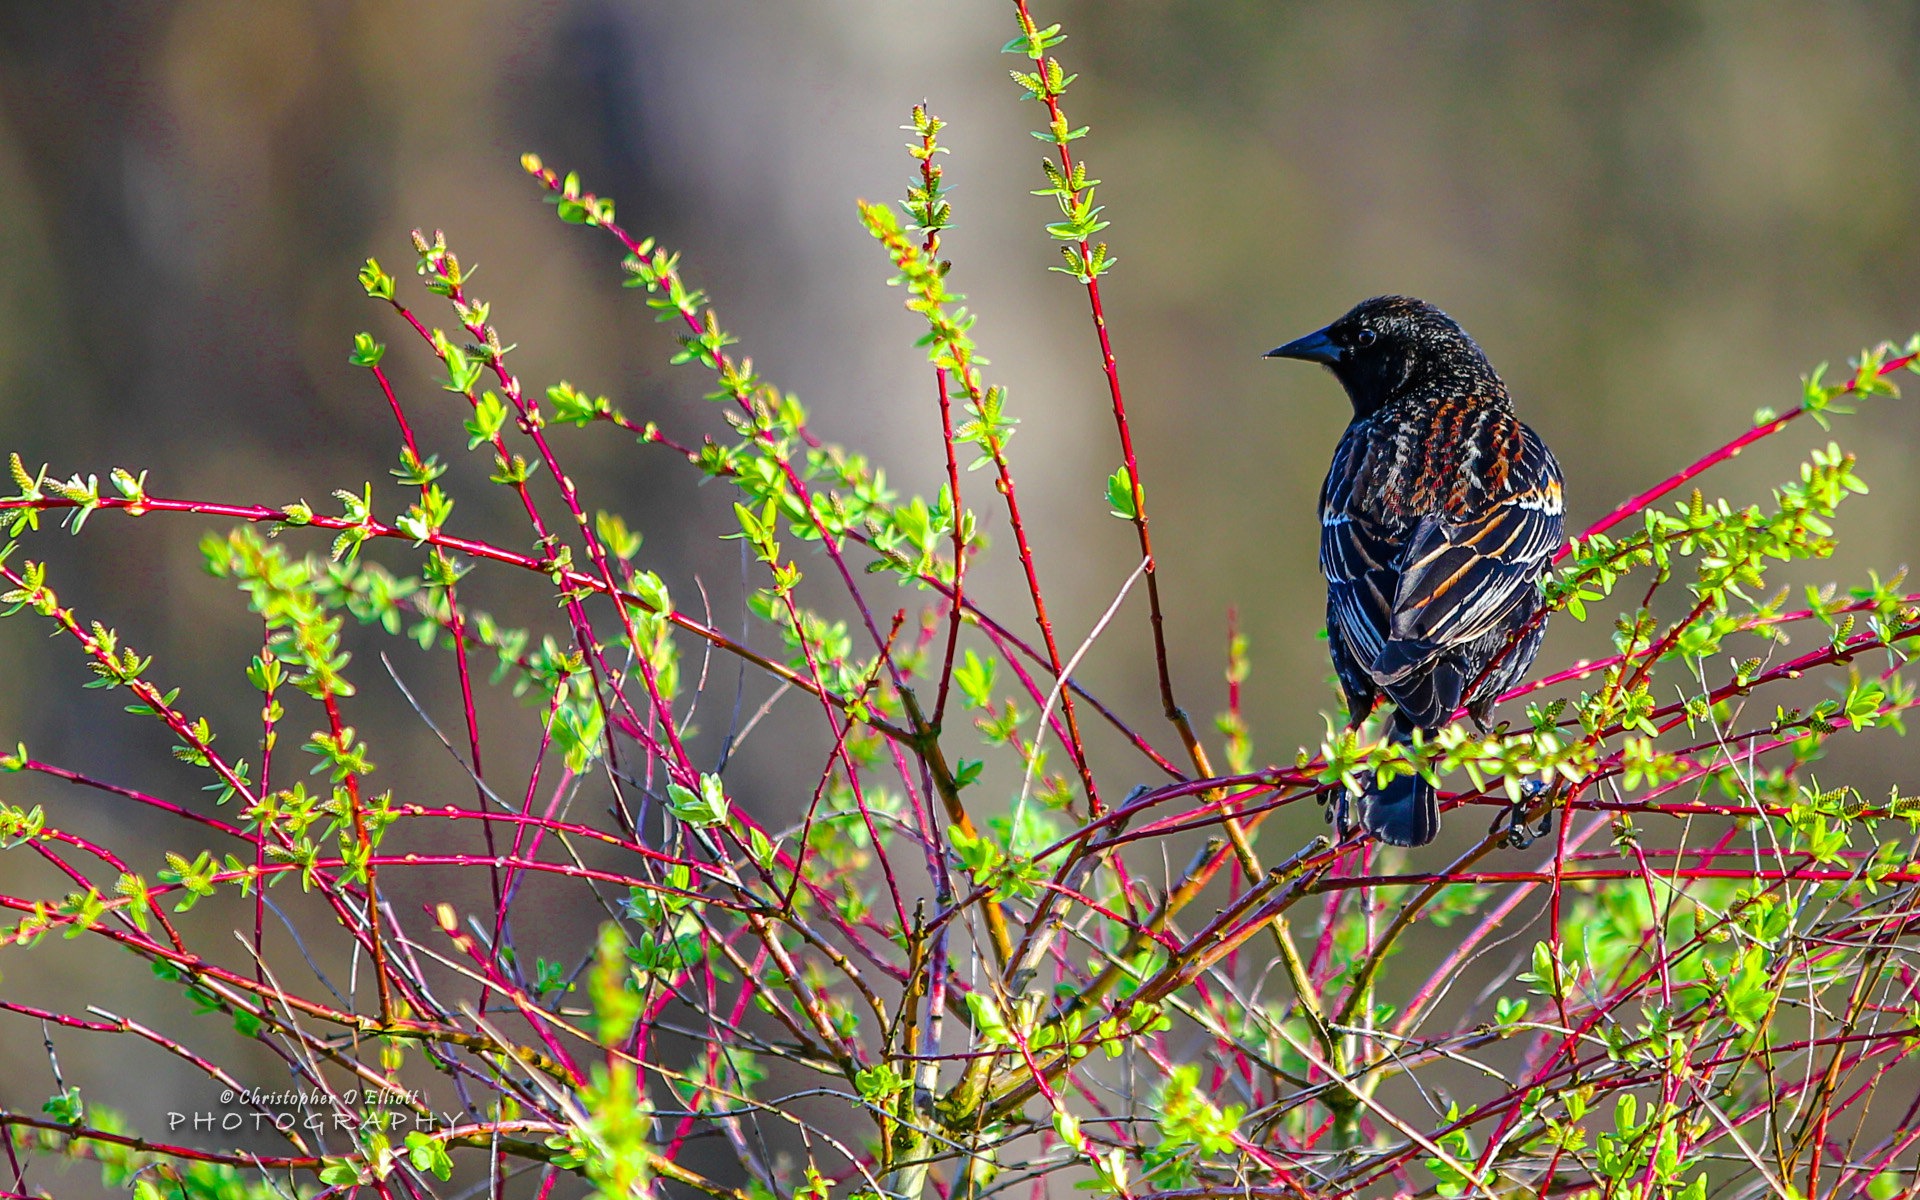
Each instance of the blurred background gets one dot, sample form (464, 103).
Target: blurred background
(1655, 218)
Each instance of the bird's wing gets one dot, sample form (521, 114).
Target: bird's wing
(1357, 555)
(1463, 577)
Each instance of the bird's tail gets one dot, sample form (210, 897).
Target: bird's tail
(1405, 812)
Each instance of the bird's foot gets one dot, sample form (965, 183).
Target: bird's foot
(1339, 812)
(1482, 717)
(1519, 833)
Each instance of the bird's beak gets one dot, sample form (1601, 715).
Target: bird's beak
(1315, 347)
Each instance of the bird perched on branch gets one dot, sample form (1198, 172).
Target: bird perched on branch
(1438, 520)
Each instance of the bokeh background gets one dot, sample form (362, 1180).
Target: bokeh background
(1655, 217)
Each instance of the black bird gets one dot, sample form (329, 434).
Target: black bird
(1438, 520)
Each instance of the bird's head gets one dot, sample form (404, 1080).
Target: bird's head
(1394, 346)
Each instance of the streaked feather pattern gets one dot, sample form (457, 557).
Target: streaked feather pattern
(1437, 524)
(1440, 515)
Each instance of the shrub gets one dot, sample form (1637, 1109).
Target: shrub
(906, 973)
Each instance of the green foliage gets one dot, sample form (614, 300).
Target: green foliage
(703, 809)
(1192, 1129)
(974, 954)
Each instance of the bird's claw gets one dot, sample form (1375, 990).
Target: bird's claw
(1519, 834)
(1339, 813)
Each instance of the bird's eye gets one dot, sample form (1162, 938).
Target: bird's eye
(1366, 337)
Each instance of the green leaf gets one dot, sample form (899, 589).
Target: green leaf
(703, 810)
(1120, 495)
(879, 1084)
(428, 1153)
(366, 351)
(974, 677)
(378, 283)
(1749, 997)
(66, 1107)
